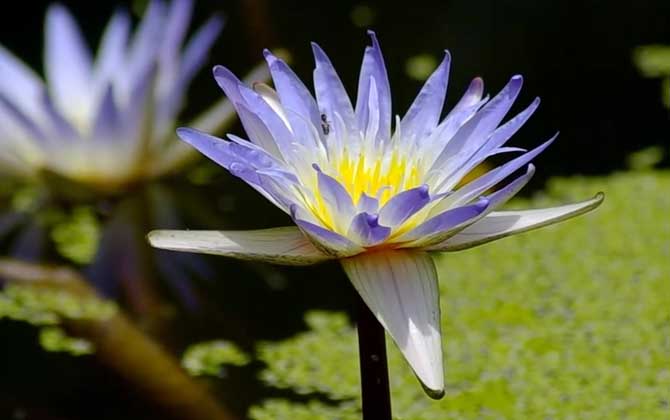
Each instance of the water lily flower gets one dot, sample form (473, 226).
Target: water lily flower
(379, 201)
(106, 121)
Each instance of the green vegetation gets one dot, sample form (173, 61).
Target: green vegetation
(208, 358)
(568, 322)
(47, 309)
(653, 61)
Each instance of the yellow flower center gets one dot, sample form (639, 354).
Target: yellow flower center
(380, 177)
(375, 177)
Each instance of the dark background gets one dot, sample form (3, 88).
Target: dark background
(575, 55)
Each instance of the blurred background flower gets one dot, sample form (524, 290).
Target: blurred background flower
(82, 151)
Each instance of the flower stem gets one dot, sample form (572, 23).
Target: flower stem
(375, 388)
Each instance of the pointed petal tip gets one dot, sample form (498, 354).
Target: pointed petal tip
(185, 132)
(436, 394)
(221, 72)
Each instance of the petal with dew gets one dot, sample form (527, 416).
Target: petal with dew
(500, 224)
(285, 245)
(400, 288)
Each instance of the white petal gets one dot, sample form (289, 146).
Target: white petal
(500, 224)
(20, 84)
(400, 287)
(285, 245)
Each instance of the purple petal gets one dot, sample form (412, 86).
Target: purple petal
(424, 113)
(112, 48)
(330, 93)
(337, 198)
(472, 96)
(503, 195)
(107, 118)
(176, 25)
(474, 133)
(60, 126)
(295, 97)
(443, 225)
(144, 47)
(402, 206)
(366, 230)
(367, 204)
(327, 241)
(193, 59)
(67, 60)
(507, 130)
(197, 48)
(491, 178)
(257, 129)
(373, 67)
(213, 147)
(22, 120)
(238, 94)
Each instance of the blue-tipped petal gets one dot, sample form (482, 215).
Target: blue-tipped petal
(402, 206)
(366, 230)
(374, 67)
(445, 224)
(424, 113)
